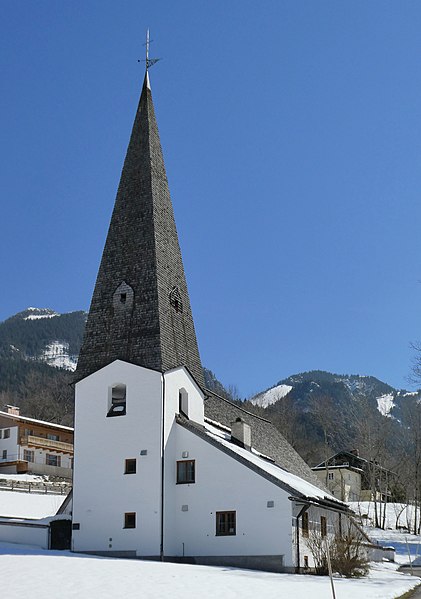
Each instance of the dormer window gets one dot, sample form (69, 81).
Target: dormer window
(117, 400)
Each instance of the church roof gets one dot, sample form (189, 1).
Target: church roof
(140, 310)
(297, 486)
(266, 439)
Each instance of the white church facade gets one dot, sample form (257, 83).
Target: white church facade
(164, 468)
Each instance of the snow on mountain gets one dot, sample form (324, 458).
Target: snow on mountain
(37, 313)
(57, 354)
(385, 404)
(271, 396)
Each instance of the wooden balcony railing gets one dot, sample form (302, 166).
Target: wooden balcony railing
(33, 441)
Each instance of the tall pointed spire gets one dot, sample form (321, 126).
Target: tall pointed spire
(140, 310)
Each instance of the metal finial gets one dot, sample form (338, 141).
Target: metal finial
(149, 61)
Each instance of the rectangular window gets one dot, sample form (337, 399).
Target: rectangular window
(1, 433)
(130, 466)
(117, 400)
(130, 520)
(323, 526)
(6, 433)
(225, 523)
(330, 476)
(4, 454)
(185, 472)
(52, 460)
(304, 524)
(29, 432)
(53, 437)
(28, 455)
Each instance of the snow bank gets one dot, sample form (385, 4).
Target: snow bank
(74, 576)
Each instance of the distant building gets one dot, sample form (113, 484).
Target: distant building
(34, 446)
(352, 478)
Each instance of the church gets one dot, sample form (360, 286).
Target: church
(165, 469)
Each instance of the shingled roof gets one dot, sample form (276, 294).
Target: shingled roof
(140, 310)
(266, 439)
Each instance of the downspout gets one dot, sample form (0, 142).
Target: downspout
(161, 547)
(297, 527)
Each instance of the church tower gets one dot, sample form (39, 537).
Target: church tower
(140, 311)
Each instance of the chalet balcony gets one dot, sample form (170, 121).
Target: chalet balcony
(32, 441)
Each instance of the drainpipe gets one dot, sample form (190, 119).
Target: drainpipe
(297, 527)
(161, 548)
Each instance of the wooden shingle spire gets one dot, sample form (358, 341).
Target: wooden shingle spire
(140, 310)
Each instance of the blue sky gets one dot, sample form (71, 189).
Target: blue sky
(292, 138)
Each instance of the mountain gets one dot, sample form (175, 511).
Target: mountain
(344, 388)
(38, 351)
(320, 412)
(42, 335)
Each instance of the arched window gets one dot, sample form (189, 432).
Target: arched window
(183, 402)
(117, 400)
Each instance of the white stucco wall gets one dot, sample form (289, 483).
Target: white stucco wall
(314, 528)
(10, 444)
(25, 535)
(222, 484)
(102, 493)
(176, 380)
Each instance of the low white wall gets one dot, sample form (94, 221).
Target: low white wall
(24, 533)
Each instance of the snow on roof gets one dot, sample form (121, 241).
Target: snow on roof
(34, 421)
(291, 480)
(15, 504)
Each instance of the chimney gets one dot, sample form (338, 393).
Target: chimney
(14, 410)
(355, 452)
(241, 433)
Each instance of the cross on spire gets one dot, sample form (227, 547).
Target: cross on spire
(149, 61)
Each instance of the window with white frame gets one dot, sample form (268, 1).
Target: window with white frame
(52, 460)
(28, 455)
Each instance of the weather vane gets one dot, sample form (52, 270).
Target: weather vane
(149, 61)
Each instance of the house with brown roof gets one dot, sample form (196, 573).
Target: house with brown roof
(30, 446)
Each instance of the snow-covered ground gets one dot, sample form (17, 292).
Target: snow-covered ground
(29, 505)
(79, 576)
(73, 576)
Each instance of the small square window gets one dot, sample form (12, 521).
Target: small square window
(130, 520)
(186, 472)
(130, 466)
(225, 523)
